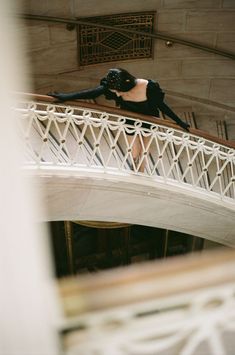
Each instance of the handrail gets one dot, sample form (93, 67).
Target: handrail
(160, 272)
(141, 117)
(182, 304)
(158, 35)
(89, 136)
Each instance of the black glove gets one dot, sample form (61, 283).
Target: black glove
(168, 111)
(87, 94)
(184, 125)
(59, 96)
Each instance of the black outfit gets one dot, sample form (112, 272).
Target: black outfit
(151, 106)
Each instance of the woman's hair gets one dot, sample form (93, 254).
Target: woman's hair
(120, 79)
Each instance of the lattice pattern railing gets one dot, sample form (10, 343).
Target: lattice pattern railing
(183, 307)
(193, 324)
(80, 137)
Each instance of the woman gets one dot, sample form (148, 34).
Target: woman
(132, 94)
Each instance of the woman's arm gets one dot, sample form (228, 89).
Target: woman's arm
(164, 108)
(83, 94)
(156, 100)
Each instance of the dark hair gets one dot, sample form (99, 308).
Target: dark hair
(120, 79)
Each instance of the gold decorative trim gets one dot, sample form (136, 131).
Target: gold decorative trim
(102, 224)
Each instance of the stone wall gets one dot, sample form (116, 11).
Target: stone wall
(187, 71)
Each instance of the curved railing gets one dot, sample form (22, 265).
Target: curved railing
(88, 136)
(184, 306)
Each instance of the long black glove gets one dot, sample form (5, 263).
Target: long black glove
(83, 94)
(184, 125)
(167, 110)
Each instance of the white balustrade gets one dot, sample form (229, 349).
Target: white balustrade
(195, 323)
(81, 138)
(184, 306)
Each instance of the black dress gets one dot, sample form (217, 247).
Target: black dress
(155, 97)
(151, 106)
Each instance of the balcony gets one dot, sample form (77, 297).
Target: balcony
(82, 156)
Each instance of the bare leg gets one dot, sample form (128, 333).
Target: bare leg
(138, 151)
(145, 143)
(136, 148)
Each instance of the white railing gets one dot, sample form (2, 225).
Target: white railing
(85, 138)
(185, 306)
(189, 324)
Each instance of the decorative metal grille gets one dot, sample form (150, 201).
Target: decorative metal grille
(99, 45)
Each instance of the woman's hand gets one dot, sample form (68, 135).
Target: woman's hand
(184, 125)
(57, 95)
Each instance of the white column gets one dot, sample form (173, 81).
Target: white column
(28, 301)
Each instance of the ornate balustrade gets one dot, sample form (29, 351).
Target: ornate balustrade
(82, 136)
(183, 306)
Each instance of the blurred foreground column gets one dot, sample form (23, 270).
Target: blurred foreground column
(28, 302)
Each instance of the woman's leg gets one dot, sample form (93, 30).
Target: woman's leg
(134, 143)
(138, 151)
(143, 153)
